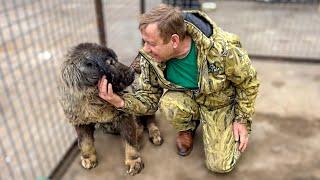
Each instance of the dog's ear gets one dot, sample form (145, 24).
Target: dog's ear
(112, 54)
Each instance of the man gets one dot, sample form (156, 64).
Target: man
(208, 77)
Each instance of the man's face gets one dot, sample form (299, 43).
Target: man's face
(154, 44)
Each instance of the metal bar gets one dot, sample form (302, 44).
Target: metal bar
(258, 57)
(142, 10)
(100, 22)
(66, 161)
(142, 6)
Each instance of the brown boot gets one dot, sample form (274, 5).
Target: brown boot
(184, 142)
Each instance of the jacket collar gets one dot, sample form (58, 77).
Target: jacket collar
(200, 27)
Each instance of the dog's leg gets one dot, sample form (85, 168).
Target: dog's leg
(153, 130)
(133, 159)
(86, 145)
(131, 131)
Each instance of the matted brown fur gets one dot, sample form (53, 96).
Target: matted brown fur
(84, 65)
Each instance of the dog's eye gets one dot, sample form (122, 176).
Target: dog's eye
(89, 64)
(110, 61)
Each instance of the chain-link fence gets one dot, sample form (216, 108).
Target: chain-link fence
(36, 34)
(34, 37)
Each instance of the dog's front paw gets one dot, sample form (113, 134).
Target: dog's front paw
(89, 162)
(134, 166)
(155, 137)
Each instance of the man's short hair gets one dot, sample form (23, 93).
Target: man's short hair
(169, 20)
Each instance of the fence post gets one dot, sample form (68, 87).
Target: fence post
(142, 10)
(100, 22)
(142, 6)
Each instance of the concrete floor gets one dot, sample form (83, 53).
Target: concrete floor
(283, 145)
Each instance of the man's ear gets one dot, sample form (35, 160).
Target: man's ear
(175, 39)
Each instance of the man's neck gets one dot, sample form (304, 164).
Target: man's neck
(184, 48)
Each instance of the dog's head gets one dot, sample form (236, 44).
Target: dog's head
(86, 63)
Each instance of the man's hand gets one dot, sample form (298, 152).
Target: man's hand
(106, 93)
(241, 135)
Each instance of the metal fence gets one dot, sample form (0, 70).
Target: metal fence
(34, 37)
(36, 34)
(268, 28)
(289, 30)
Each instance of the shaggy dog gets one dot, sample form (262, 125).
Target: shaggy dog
(84, 65)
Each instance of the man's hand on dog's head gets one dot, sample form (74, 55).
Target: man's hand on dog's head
(106, 93)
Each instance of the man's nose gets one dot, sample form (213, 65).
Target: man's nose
(146, 47)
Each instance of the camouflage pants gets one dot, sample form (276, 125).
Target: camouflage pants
(181, 109)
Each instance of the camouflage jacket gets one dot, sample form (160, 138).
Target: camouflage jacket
(225, 72)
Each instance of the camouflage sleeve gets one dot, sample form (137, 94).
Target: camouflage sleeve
(241, 73)
(145, 100)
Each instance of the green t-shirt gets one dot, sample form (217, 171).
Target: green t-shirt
(184, 72)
